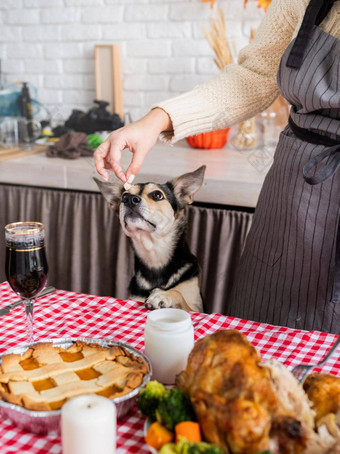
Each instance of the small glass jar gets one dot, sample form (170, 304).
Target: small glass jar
(169, 338)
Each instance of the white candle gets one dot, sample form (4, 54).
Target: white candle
(88, 425)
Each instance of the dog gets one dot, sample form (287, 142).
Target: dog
(152, 215)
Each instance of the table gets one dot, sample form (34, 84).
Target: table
(70, 314)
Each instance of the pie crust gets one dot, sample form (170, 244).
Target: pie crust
(45, 376)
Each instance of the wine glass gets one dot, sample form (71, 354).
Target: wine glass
(26, 265)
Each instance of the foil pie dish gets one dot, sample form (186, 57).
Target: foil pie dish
(46, 422)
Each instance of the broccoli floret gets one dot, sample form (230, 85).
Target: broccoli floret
(212, 449)
(149, 398)
(188, 447)
(169, 448)
(174, 407)
(203, 448)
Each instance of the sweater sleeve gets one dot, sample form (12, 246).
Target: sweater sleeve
(242, 89)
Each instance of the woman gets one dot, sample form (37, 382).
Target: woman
(290, 269)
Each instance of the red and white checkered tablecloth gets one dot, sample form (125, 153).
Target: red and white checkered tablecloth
(68, 314)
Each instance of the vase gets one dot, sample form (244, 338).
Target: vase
(273, 120)
(245, 136)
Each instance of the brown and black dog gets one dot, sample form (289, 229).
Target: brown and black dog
(152, 216)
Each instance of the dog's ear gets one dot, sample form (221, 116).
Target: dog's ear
(186, 186)
(112, 192)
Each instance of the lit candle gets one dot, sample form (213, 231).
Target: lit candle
(88, 425)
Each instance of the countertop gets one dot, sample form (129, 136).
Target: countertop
(232, 178)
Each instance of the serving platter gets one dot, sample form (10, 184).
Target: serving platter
(45, 422)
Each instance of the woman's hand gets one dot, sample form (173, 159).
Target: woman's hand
(139, 137)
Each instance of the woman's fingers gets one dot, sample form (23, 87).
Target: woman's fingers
(118, 170)
(100, 158)
(138, 137)
(136, 163)
(108, 156)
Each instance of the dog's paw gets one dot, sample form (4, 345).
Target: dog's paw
(159, 299)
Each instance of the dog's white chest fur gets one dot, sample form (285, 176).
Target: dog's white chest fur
(152, 249)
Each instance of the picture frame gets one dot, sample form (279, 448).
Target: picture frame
(107, 58)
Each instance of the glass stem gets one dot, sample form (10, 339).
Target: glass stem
(29, 319)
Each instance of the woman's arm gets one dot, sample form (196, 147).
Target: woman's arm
(243, 89)
(237, 93)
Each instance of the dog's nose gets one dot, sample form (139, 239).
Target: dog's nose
(131, 200)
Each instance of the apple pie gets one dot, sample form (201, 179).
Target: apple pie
(45, 376)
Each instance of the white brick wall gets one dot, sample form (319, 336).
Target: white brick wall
(50, 44)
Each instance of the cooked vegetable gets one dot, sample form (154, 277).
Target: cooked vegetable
(187, 447)
(205, 448)
(149, 398)
(189, 430)
(158, 435)
(174, 407)
(169, 448)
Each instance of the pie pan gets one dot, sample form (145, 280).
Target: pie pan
(44, 422)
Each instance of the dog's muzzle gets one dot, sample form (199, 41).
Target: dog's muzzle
(131, 200)
(132, 210)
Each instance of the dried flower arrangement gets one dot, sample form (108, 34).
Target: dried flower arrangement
(218, 41)
(245, 137)
(260, 3)
(210, 1)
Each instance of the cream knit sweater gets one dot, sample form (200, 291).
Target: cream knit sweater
(248, 87)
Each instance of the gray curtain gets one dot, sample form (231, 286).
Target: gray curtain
(88, 252)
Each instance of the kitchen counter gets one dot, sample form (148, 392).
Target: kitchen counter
(231, 179)
(87, 249)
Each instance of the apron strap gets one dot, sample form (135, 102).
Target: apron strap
(316, 11)
(336, 283)
(333, 153)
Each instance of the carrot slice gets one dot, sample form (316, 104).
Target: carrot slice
(189, 430)
(158, 435)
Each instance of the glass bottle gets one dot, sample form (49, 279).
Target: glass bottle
(169, 338)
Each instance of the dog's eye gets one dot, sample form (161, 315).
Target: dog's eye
(156, 195)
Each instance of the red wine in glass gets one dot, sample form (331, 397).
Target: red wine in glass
(26, 271)
(26, 265)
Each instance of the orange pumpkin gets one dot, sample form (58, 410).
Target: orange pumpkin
(209, 140)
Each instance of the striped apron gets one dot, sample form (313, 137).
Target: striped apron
(289, 273)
